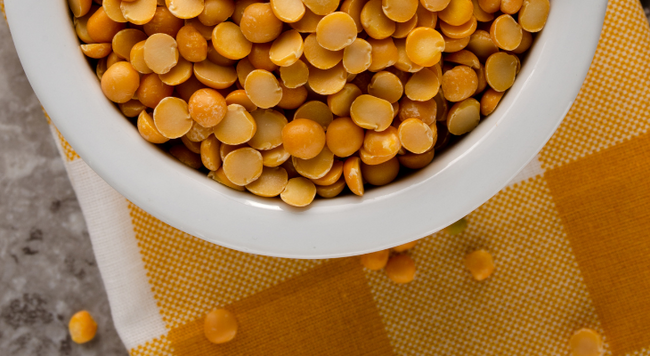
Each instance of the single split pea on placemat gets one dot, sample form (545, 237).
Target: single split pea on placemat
(567, 240)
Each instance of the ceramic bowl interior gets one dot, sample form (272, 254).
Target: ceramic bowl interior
(459, 180)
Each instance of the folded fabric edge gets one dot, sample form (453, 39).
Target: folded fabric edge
(133, 306)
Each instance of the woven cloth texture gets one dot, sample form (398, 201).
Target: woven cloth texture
(569, 237)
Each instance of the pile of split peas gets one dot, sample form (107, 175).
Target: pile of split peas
(303, 97)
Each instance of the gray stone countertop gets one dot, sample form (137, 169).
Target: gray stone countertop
(47, 268)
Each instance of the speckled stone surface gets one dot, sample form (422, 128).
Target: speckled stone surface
(47, 267)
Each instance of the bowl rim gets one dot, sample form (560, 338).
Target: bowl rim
(463, 177)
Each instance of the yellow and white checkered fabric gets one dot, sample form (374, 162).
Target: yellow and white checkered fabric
(571, 247)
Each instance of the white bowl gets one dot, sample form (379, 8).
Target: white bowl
(458, 181)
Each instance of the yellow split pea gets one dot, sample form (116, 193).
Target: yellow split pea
(501, 70)
(401, 269)
(404, 63)
(209, 151)
(318, 56)
(220, 177)
(308, 22)
(230, 42)
(376, 260)
(178, 75)
(275, 157)
(207, 107)
(416, 136)
(480, 264)
(172, 117)
(339, 104)
(332, 190)
(370, 112)
(435, 5)
(161, 53)
(336, 31)
(295, 75)
(112, 8)
(357, 57)
(214, 75)
(96, 50)
(292, 97)
(263, 88)
(459, 83)
(387, 86)
(287, 49)
(352, 175)
(148, 130)
(124, 41)
(152, 90)
(101, 28)
(271, 183)
(376, 24)
(404, 28)
(457, 12)
(344, 137)
(427, 111)
(490, 100)
(464, 116)
(424, 46)
(299, 192)
(380, 174)
(288, 11)
(198, 133)
(317, 167)
(321, 7)
(163, 21)
(353, 8)
(332, 176)
(489, 6)
(243, 166)
(82, 327)
(79, 7)
(269, 129)
(481, 44)
(379, 147)
(416, 161)
(216, 11)
(237, 126)
(220, 326)
(185, 9)
(533, 14)
(185, 155)
(327, 81)
(120, 82)
(506, 33)
(400, 10)
(586, 342)
(259, 24)
(191, 44)
(138, 12)
(303, 138)
(136, 57)
(459, 32)
(316, 111)
(423, 85)
(384, 54)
